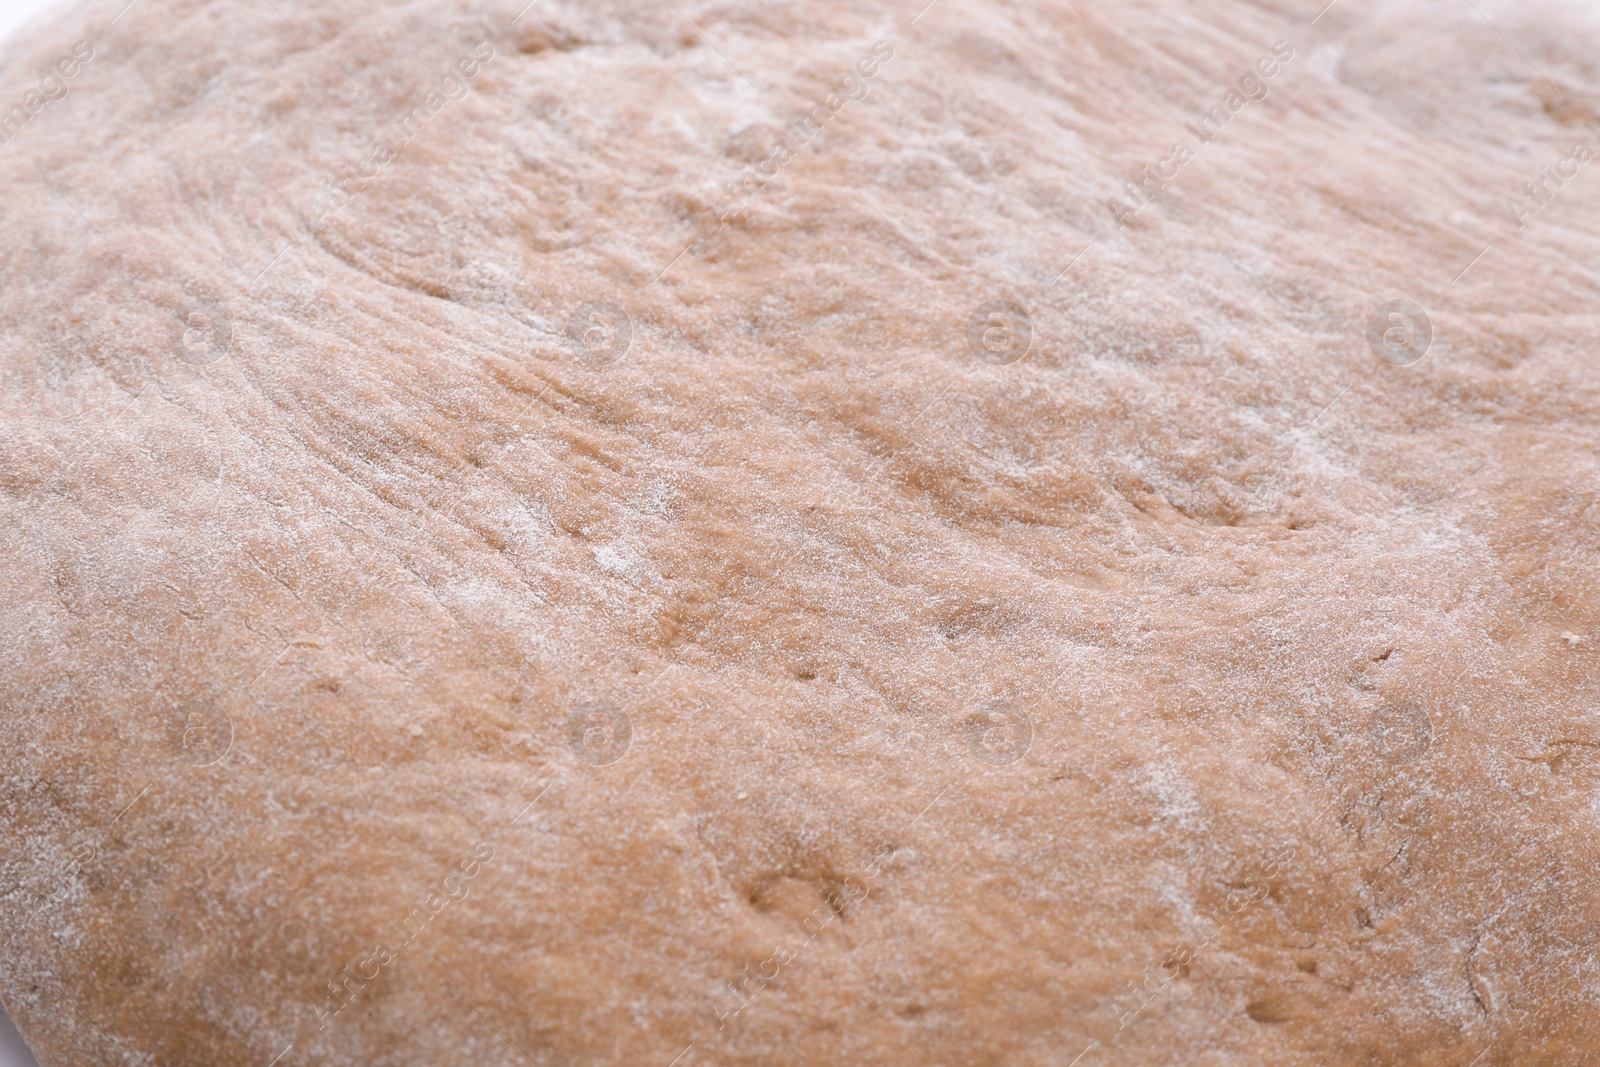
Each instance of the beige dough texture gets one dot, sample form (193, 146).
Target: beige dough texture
(675, 533)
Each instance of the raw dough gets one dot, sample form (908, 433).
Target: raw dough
(766, 533)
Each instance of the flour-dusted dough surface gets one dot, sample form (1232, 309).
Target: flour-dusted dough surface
(412, 660)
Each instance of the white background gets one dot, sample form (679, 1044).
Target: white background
(13, 1053)
(14, 13)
